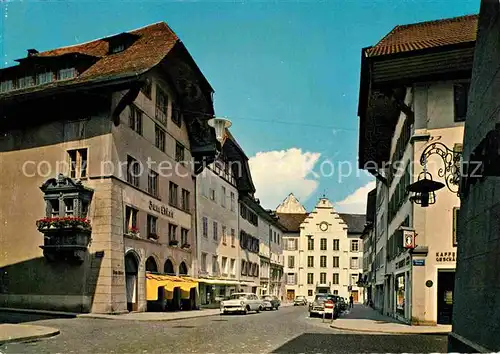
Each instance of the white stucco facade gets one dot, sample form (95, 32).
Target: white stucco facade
(217, 233)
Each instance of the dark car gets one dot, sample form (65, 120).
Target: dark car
(317, 307)
(271, 302)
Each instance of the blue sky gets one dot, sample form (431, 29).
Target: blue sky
(285, 73)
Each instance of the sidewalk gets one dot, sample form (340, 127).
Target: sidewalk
(10, 333)
(160, 316)
(365, 319)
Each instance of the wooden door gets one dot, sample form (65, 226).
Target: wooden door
(290, 295)
(355, 295)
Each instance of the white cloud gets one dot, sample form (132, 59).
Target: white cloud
(278, 173)
(355, 203)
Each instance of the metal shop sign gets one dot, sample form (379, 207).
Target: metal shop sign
(445, 256)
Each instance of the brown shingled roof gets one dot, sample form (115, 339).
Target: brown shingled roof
(291, 221)
(424, 35)
(154, 42)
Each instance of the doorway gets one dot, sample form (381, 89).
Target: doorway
(445, 288)
(355, 295)
(131, 270)
(290, 295)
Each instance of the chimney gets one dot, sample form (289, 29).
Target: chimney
(32, 52)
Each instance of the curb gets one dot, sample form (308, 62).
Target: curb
(140, 319)
(40, 312)
(53, 333)
(386, 331)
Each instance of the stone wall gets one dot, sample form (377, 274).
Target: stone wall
(476, 316)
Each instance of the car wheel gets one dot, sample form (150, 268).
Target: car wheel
(259, 309)
(277, 307)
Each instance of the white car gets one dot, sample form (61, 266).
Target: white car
(242, 303)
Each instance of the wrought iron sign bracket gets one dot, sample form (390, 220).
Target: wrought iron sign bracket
(451, 160)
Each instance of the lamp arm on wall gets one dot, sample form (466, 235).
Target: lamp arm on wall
(451, 161)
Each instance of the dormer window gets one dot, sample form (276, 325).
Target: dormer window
(6, 86)
(26, 81)
(45, 77)
(67, 73)
(118, 43)
(117, 48)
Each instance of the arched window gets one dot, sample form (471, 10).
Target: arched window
(183, 270)
(169, 267)
(151, 265)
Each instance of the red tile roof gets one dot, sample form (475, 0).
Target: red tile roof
(153, 44)
(424, 35)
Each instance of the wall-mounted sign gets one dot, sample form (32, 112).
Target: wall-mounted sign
(409, 239)
(162, 209)
(445, 256)
(419, 262)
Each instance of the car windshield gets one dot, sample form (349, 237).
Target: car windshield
(238, 297)
(299, 298)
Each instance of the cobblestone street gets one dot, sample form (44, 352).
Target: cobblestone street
(288, 330)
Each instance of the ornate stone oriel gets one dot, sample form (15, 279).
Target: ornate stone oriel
(66, 229)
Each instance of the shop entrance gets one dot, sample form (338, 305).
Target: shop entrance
(445, 287)
(131, 270)
(290, 295)
(355, 296)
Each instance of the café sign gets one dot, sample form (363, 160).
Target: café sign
(445, 256)
(161, 209)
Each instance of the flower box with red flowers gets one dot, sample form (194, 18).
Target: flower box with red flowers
(63, 223)
(133, 231)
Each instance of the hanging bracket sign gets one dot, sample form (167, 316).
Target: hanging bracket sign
(408, 236)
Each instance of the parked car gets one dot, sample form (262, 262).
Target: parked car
(242, 303)
(270, 302)
(300, 301)
(317, 307)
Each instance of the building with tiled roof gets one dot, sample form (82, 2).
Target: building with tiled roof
(412, 108)
(121, 118)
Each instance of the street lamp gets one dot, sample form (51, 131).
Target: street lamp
(220, 125)
(424, 189)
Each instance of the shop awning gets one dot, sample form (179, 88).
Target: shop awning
(219, 281)
(248, 284)
(155, 281)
